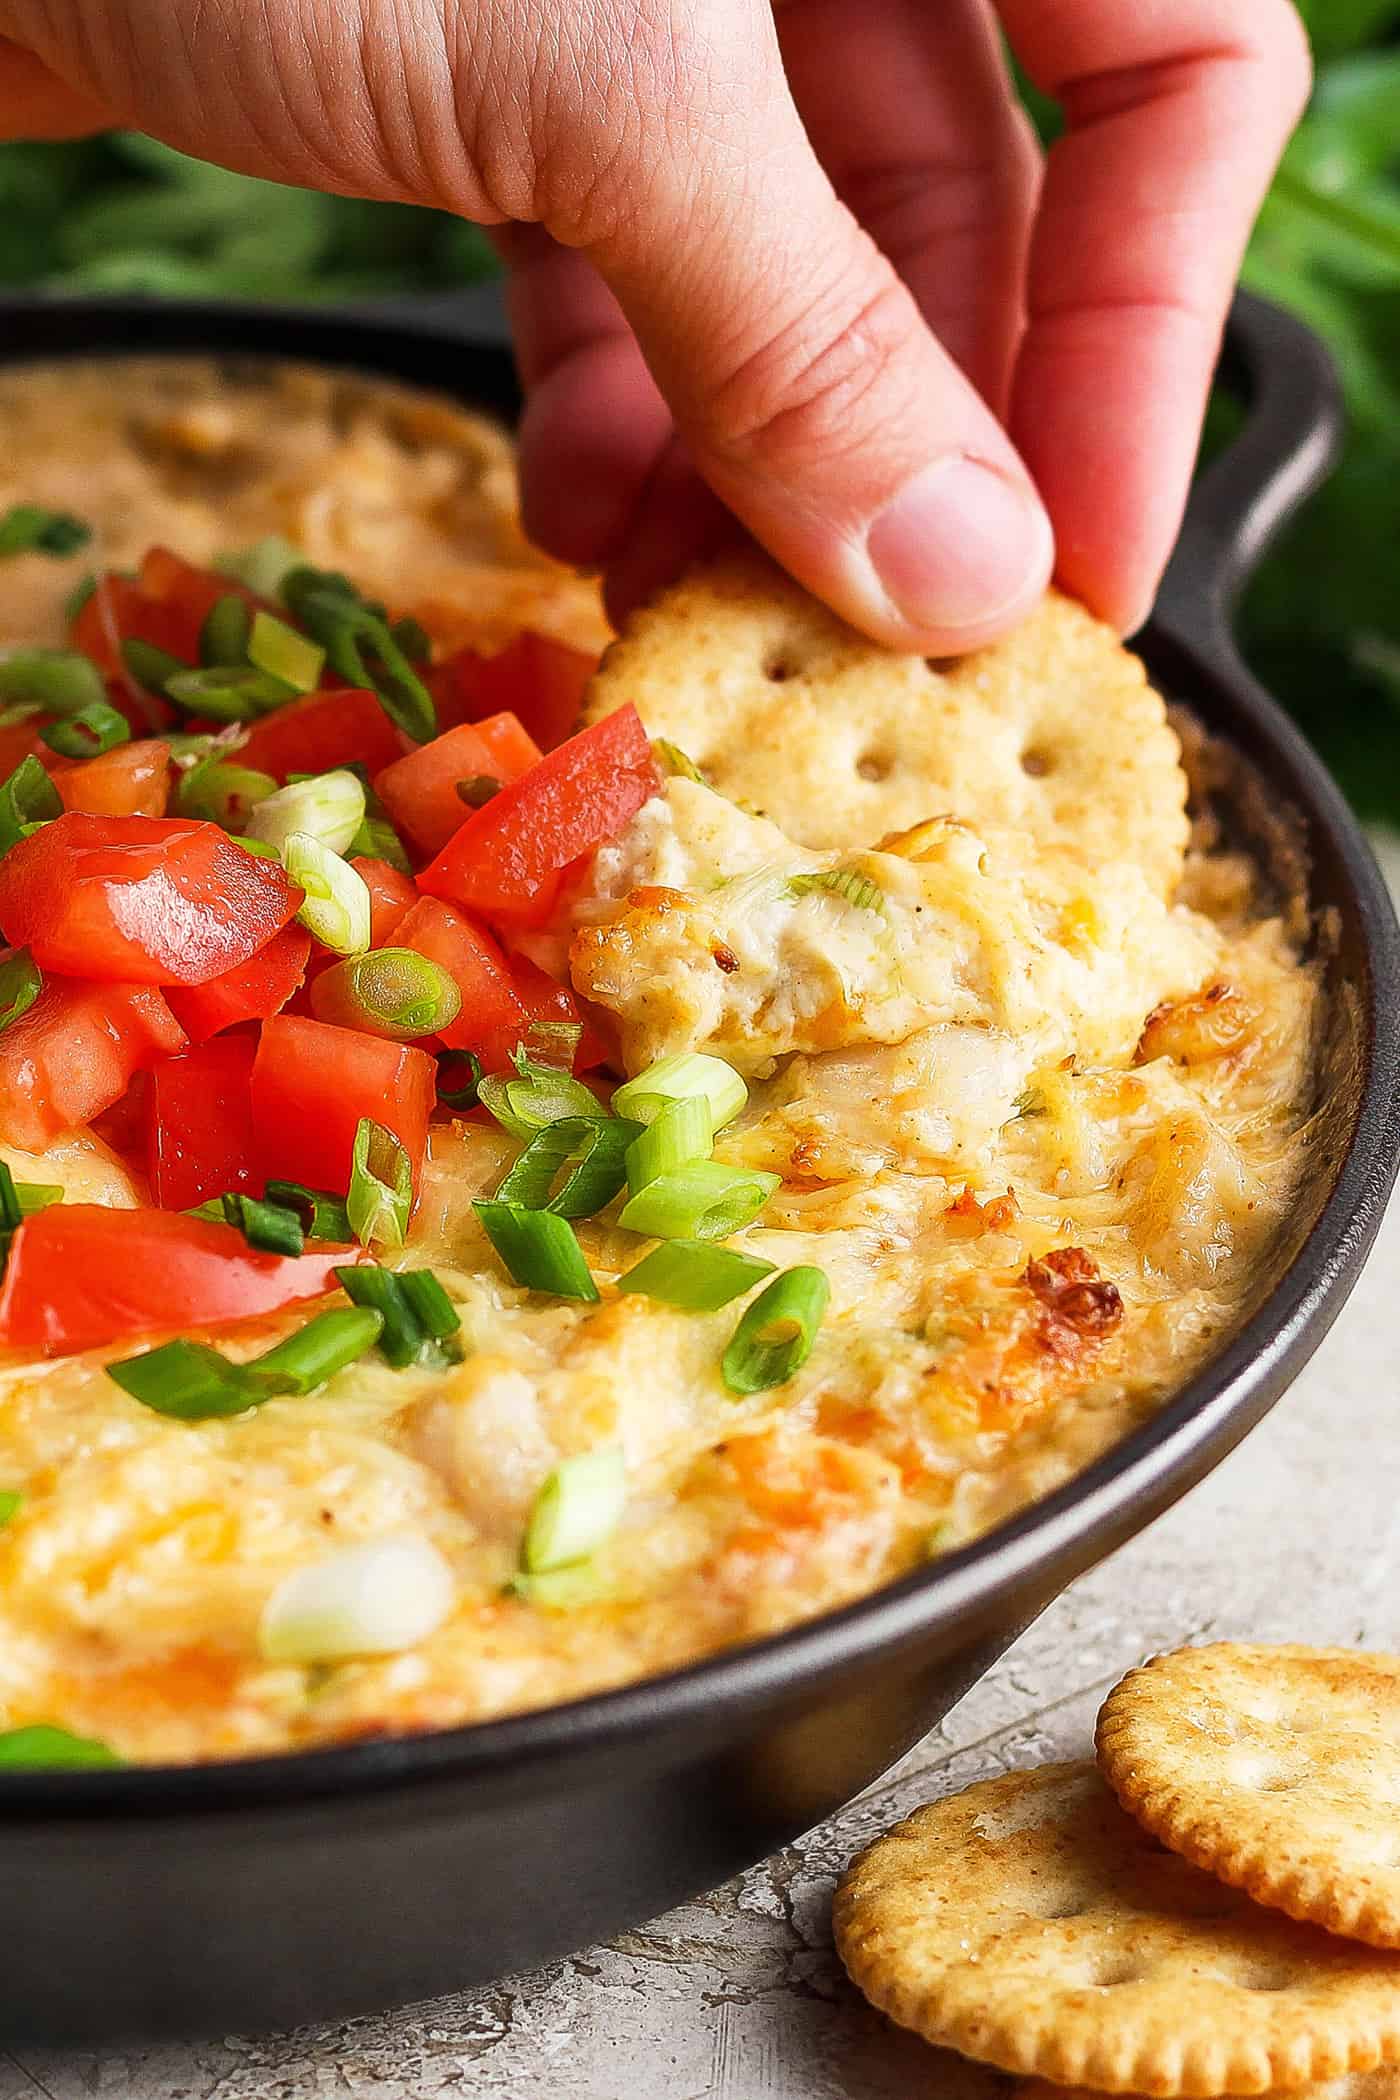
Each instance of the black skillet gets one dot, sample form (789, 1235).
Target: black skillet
(283, 1889)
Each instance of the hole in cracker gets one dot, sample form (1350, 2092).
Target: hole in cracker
(1110, 1971)
(943, 666)
(1255, 1974)
(1264, 1775)
(779, 669)
(874, 766)
(1036, 762)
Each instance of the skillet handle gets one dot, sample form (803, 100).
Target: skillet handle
(1292, 431)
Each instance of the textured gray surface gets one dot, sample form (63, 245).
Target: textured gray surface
(739, 1997)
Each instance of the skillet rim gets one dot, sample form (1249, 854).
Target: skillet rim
(992, 1577)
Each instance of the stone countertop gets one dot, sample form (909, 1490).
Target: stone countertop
(739, 1996)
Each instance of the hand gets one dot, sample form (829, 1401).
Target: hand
(807, 258)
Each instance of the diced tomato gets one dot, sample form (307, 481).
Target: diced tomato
(493, 1018)
(145, 900)
(252, 991)
(420, 791)
(311, 1085)
(21, 740)
(322, 730)
(123, 1125)
(73, 1053)
(391, 895)
(131, 781)
(537, 679)
(545, 999)
(119, 610)
(507, 859)
(80, 1275)
(199, 1123)
(194, 592)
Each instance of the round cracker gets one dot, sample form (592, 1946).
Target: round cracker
(1356, 2085)
(1277, 1769)
(1053, 730)
(1029, 1922)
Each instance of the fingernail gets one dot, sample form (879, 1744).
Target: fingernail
(960, 545)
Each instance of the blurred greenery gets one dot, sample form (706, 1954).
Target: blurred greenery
(1322, 621)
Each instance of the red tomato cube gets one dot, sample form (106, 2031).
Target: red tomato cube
(392, 894)
(73, 1054)
(311, 1085)
(493, 1018)
(251, 991)
(199, 1123)
(131, 781)
(535, 678)
(420, 791)
(320, 731)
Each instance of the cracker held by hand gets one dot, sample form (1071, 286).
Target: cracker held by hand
(1277, 1769)
(1053, 730)
(1356, 2085)
(1029, 1922)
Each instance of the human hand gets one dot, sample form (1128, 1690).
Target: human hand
(806, 258)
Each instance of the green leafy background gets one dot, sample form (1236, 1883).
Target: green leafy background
(1322, 621)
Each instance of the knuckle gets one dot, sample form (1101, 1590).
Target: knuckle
(1287, 55)
(824, 382)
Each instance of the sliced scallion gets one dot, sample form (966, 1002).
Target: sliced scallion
(380, 1198)
(376, 1598)
(673, 1078)
(775, 1335)
(537, 1095)
(703, 1200)
(539, 1250)
(377, 839)
(330, 807)
(847, 883)
(263, 565)
(224, 693)
(223, 792)
(88, 733)
(335, 908)
(223, 639)
(675, 763)
(458, 1077)
(420, 1320)
(678, 1135)
(57, 679)
(152, 668)
(413, 638)
(29, 528)
(11, 1503)
(360, 646)
(28, 798)
(41, 1747)
(393, 992)
(21, 981)
(327, 1344)
(194, 1383)
(78, 597)
(594, 1148)
(322, 1215)
(269, 1227)
(694, 1275)
(283, 653)
(579, 1506)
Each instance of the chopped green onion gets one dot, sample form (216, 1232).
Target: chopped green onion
(79, 595)
(420, 1320)
(360, 647)
(27, 798)
(480, 789)
(152, 668)
(560, 1589)
(464, 1095)
(57, 679)
(595, 1149)
(11, 1503)
(377, 1598)
(703, 1200)
(539, 1094)
(377, 839)
(393, 992)
(679, 1134)
(263, 565)
(223, 693)
(579, 1506)
(223, 639)
(21, 981)
(775, 1336)
(327, 1344)
(322, 1215)
(283, 653)
(35, 1196)
(88, 733)
(269, 1227)
(336, 907)
(413, 638)
(330, 807)
(41, 1748)
(223, 792)
(674, 762)
(194, 1383)
(259, 852)
(847, 883)
(27, 528)
(694, 1275)
(380, 1199)
(672, 1078)
(10, 1212)
(539, 1249)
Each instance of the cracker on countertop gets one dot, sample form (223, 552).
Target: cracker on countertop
(1276, 1769)
(1053, 730)
(1029, 1922)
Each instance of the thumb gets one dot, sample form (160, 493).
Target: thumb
(809, 391)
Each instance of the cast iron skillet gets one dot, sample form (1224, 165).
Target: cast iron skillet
(288, 1888)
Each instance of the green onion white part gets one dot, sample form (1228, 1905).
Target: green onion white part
(283, 653)
(373, 1599)
(673, 1079)
(330, 809)
(336, 908)
(579, 1506)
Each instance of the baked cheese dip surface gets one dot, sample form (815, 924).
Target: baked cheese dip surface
(494, 1207)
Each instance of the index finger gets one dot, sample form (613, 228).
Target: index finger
(1176, 111)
